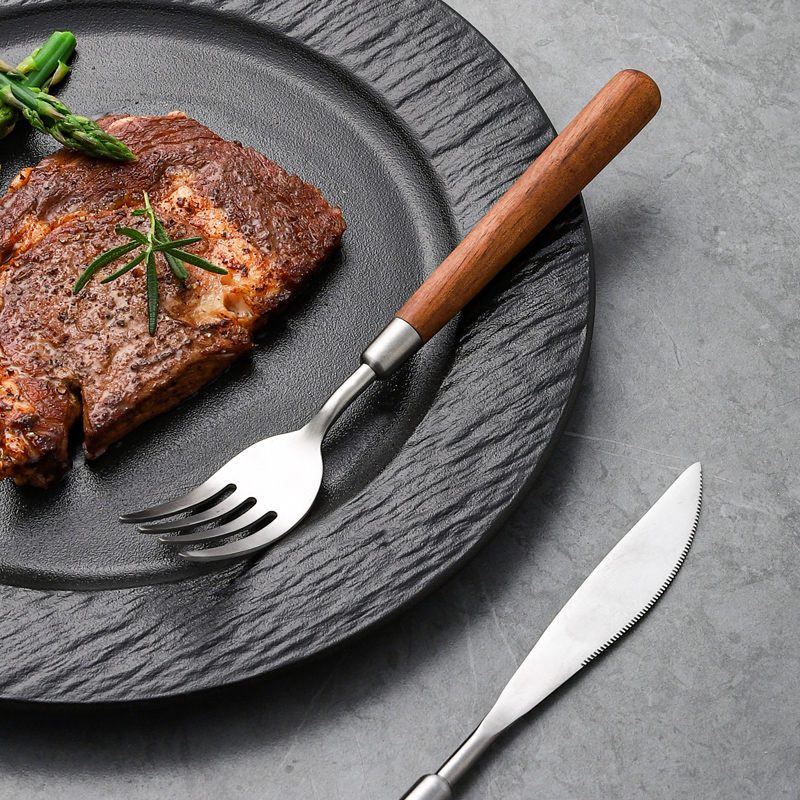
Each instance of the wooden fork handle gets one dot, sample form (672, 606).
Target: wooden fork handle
(611, 119)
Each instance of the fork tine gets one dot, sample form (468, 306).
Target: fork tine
(238, 525)
(201, 494)
(242, 547)
(221, 509)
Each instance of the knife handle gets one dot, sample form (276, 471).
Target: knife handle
(616, 114)
(431, 787)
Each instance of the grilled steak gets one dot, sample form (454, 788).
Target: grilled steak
(63, 355)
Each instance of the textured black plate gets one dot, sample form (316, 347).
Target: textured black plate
(410, 121)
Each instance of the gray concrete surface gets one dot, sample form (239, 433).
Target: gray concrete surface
(695, 356)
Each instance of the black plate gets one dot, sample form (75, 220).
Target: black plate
(410, 121)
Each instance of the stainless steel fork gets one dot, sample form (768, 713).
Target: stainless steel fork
(267, 489)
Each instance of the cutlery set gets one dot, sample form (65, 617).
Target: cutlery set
(265, 491)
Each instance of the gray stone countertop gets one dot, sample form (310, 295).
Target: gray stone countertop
(694, 357)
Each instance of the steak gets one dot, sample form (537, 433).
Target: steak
(91, 355)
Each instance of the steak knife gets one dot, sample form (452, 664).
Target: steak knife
(617, 594)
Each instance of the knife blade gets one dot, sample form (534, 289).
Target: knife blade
(616, 595)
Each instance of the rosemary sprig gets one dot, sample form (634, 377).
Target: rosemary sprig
(155, 241)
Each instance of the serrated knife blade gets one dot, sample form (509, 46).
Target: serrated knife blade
(616, 595)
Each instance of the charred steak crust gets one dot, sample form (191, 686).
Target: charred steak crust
(36, 415)
(61, 354)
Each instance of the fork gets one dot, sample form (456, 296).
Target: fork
(265, 491)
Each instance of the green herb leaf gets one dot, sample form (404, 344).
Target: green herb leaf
(166, 244)
(178, 270)
(152, 293)
(161, 231)
(100, 262)
(132, 233)
(197, 261)
(127, 268)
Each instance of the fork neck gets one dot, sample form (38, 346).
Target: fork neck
(390, 349)
(319, 424)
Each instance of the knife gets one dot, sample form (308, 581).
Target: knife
(618, 593)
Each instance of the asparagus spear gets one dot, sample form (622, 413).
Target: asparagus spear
(43, 68)
(46, 65)
(49, 115)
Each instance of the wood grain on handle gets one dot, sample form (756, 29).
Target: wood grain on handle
(611, 119)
